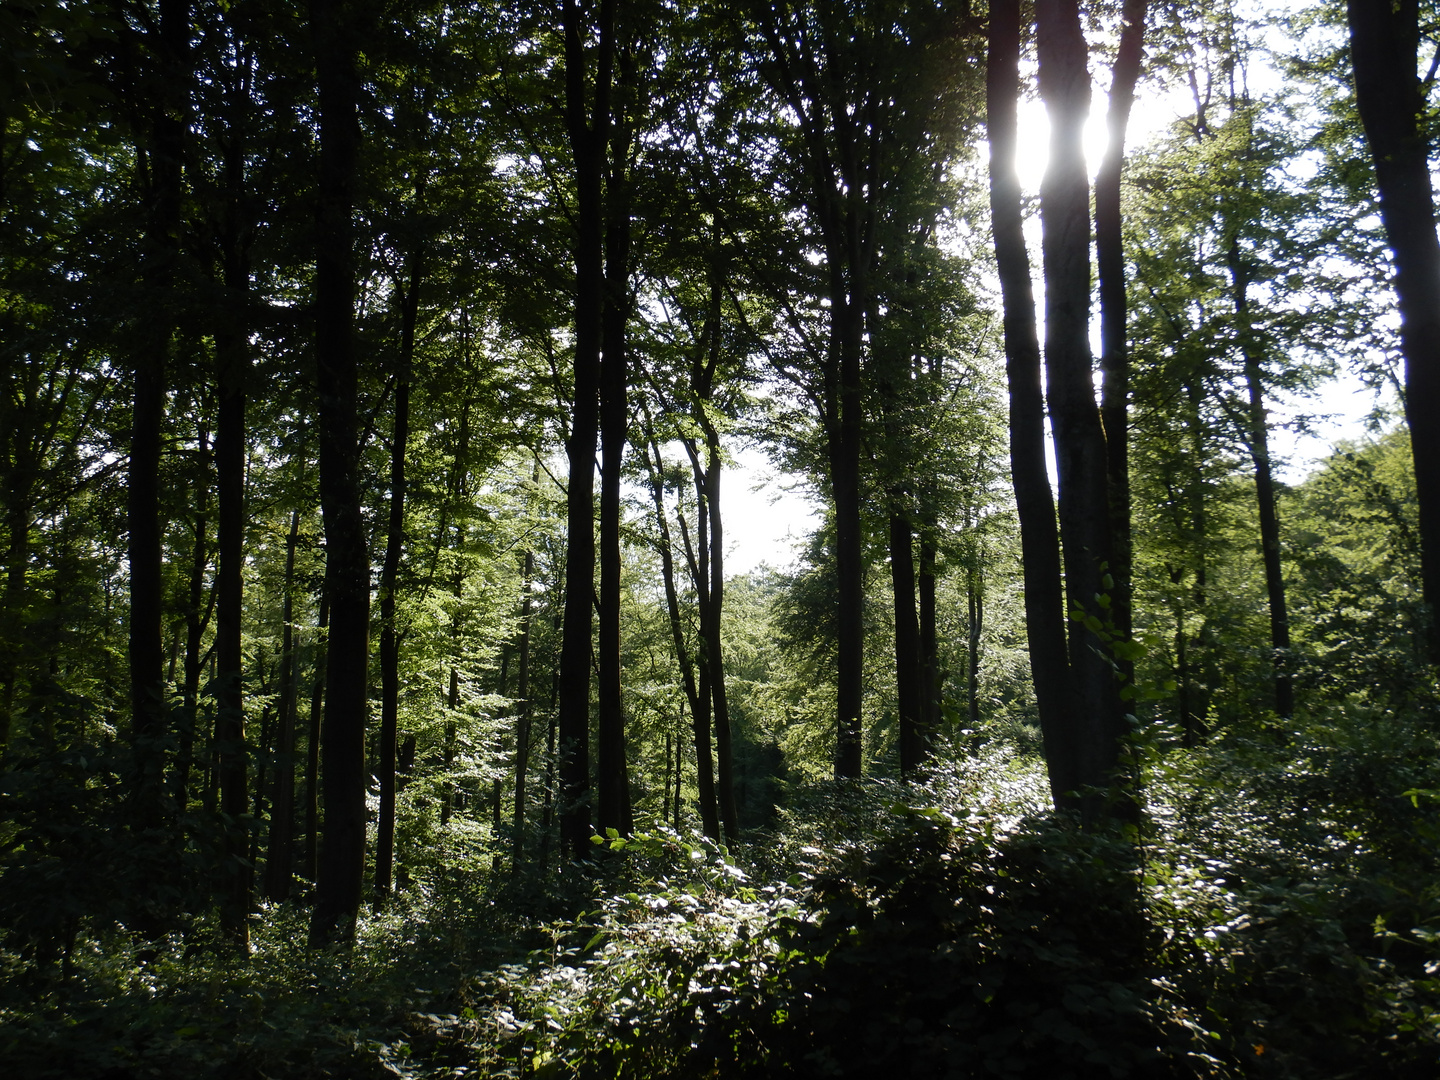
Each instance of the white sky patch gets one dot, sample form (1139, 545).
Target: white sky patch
(767, 514)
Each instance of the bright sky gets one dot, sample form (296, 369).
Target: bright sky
(768, 514)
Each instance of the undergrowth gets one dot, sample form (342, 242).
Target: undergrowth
(1276, 915)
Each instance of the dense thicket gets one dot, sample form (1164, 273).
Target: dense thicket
(318, 324)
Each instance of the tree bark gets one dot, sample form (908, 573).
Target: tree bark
(1080, 454)
(389, 578)
(313, 739)
(280, 858)
(588, 137)
(522, 693)
(162, 251)
(725, 771)
(232, 358)
(342, 855)
(839, 184)
(199, 606)
(613, 803)
(1384, 40)
(1039, 540)
(844, 451)
(1110, 273)
(699, 709)
(975, 625)
(929, 638)
(908, 691)
(547, 809)
(1258, 442)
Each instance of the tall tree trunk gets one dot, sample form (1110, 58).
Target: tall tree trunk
(162, 243)
(1200, 653)
(313, 739)
(975, 610)
(232, 358)
(613, 804)
(1039, 539)
(280, 858)
(844, 452)
(389, 579)
(342, 855)
(1080, 454)
(502, 689)
(264, 760)
(197, 618)
(1257, 439)
(588, 136)
(18, 515)
(699, 710)
(1384, 41)
(929, 637)
(1110, 273)
(842, 185)
(547, 809)
(909, 694)
(522, 693)
(452, 706)
(724, 759)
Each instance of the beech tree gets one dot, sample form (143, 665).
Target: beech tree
(341, 868)
(1076, 687)
(864, 121)
(1384, 47)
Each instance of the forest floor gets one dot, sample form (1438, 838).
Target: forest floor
(1278, 915)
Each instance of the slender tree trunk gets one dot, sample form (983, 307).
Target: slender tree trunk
(1199, 652)
(844, 449)
(447, 751)
(502, 689)
(679, 768)
(1110, 273)
(522, 710)
(389, 579)
(697, 558)
(725, 771)
(1258, 441)
(909, 693)
(280, 859)
(1039, 540)
(313, 740)
(232, 367)
(1384, 42)
(197, 617)
(342, 855)
(614, 811)
(18, 516)
(929, 638)
(588, 140)
(452, 701)
(699, 711)
(264, 760)
(975, 609)
(547, 810)
(146, 646)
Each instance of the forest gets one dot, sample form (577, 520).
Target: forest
(380, 378)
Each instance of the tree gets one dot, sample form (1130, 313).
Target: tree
(1384, 42)
(163, 149)
(1039, 538)
(587, 123)
(1110, 279)
(862, 122)
(334, 28)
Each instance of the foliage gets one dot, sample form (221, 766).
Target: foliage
(1278, 916)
